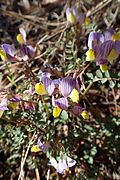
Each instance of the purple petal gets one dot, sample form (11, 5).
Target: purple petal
(94, 39)
(61, 102)
(16, 98)
(30, 51)
(102, 51)
(57, 82)
(3, 108)
(72, 10)
(26, 51)
(77, 109)
(117, 47)
(43, 147)
(48, 84)
(45, 74)
(8, 49)
(108, 34)
(81, 18)
(67, 85)
(101, 61)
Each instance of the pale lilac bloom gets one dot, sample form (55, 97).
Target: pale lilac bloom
(9, 51)
(94, 39)
(102, 51)
(62, 165)
(62, 103)
(63, 86)
(43, 146)
(78, 17)
(67, 85)
(26, 50)
(102, 45)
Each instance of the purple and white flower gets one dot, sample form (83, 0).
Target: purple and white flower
(63, 164)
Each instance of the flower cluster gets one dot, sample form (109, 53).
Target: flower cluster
(26, 51)
(74, 17)
(104, 47)
(61, 90)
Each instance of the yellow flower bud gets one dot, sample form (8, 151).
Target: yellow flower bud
(20, 39)
(116, 36)
(87, 21)
(56, 112)
(71, 18)
(35, 149)
(90, 55)
(40, 89)
(14, 105)
(3, 55)
(85, 115)
(103, 67)
(112, 56)
(74, 95)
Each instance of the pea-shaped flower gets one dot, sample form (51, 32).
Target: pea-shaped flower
(62, 165)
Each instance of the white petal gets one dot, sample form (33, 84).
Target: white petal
(53, 163)
(70, 162)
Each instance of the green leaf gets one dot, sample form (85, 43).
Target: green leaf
(90, 75)
(93, 151)
(99, 73)
(107, 74)
(90, 160)
(103, 80)
(112, 84)
(86, 156)
(64, 115)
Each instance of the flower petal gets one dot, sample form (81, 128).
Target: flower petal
(117, 47)
(40, 89)
(101, 61)
(48, 84)
(23, 33)
(108, 34)
(62, 103)
(90, 55)
(85, 115)
(8, 49)
(3, 55)
(53, 163)
(71, 162)
(94, 39)
(56, 112)
(77, 109)
(74, 95)
(102, 51)
(35, 149)
(62, 166)
(67, 85)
